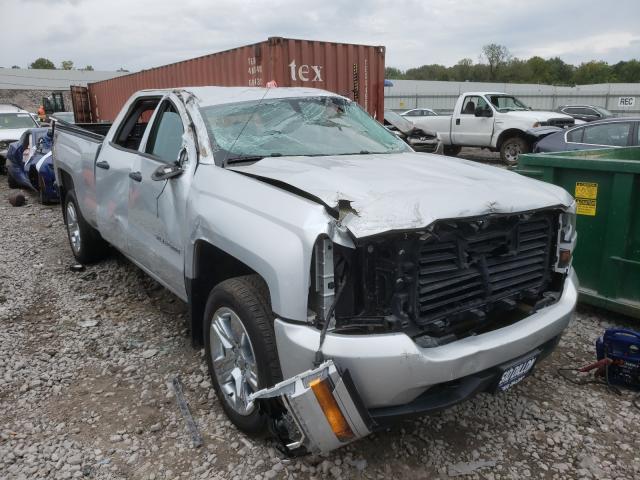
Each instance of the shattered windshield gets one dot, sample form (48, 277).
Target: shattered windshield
(505, 103)
(305, 126)
(16, 120)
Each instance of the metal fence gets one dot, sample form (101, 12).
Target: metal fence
(621, 99)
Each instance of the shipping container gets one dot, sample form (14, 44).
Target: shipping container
(354, 71)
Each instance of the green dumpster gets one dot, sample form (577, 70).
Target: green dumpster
(606, 185)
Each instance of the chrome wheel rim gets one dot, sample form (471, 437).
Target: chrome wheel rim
(512, 152)
(73, 228)
(233, 360)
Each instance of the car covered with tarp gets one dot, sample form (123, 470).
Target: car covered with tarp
(30, 164)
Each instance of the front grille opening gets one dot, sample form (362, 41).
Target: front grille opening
(492, 265)
(458, 278)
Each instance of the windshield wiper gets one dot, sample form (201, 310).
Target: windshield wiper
(248, 158)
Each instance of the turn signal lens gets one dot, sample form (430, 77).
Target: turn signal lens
(332, 412)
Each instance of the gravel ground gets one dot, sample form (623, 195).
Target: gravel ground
(482, 155)
(87, 359)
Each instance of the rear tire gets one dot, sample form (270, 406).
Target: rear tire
(86, 243)
(241, 307)
(452, 150)
(512, 148)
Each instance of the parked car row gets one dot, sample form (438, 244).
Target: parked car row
(503, 123)
(493, 120)
(25, 150)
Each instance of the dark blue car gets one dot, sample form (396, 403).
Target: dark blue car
(30, 164)
(612, 132)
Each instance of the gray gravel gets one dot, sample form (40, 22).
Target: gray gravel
(87, 359)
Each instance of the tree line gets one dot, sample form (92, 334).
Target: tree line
(46, 64)
(496, 64)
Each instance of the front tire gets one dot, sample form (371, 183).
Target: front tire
(240, 348)
(86, 243)
(512, 148)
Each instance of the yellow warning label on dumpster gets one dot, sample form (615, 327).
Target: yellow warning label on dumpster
(586, 190)
(586, 206)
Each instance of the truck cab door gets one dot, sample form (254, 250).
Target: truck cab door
(469, 129)
(157, 205)
(112, 168)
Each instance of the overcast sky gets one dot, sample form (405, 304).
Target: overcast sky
(137, 34)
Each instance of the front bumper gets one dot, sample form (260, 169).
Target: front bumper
(371, 381)
(390, 369)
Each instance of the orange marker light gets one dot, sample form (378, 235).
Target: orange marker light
(330, 408)
(565, 258)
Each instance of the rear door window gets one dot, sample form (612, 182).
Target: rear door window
(135, 123)
(614, 134)
(165, 139)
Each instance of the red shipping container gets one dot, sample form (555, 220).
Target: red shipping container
(354, 71)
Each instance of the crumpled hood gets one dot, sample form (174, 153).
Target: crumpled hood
(407, 190)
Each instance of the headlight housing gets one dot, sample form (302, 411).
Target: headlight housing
(567, 237)
(568, 224)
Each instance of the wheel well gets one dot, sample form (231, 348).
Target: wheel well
(66, 184)
(211, 266)
(512, 132)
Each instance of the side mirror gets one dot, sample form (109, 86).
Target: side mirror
(165, 172)
(483, 112)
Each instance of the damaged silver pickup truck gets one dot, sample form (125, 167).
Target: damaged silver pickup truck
(338, 281)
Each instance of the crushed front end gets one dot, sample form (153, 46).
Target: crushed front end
(421, 320)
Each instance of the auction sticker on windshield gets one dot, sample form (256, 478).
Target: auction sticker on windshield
(516, 373)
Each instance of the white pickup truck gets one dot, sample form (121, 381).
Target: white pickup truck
(497, 121)
(338, 280)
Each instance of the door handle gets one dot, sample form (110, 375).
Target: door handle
(457, 121)
(137, 176)
(103, 164)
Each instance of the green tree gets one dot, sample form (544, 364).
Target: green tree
(389, 72)
(88, 68)
(462, 71)
(428, 72)
(15, 67)
(627, 72)
(66, 65)
(43, 63)
(496, 56)
(592, 72)
(539, 70)
(561, 73)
